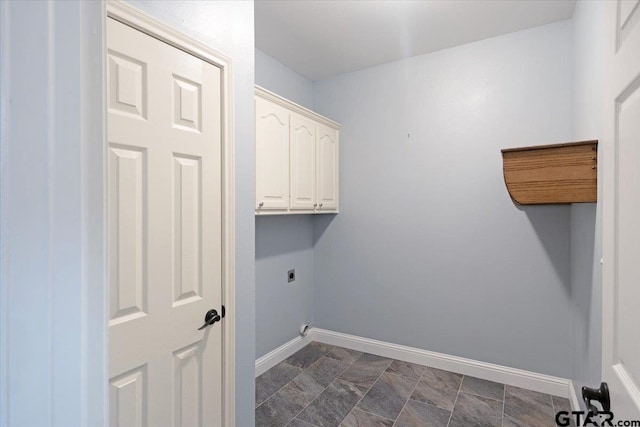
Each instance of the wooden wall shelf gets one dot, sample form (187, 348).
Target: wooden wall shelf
(552, 174)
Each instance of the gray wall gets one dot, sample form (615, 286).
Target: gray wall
(52, 215)
(428, 250)
(586, 219)
(228, 27)
(282, 242)
(277, 77)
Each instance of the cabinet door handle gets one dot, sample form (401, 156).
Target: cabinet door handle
(261, 204)
(315, 204)
(320, 204)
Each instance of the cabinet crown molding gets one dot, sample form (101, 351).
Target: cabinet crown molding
(277, 99)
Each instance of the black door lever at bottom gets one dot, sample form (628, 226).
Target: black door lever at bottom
(210, 318)
(599, 394)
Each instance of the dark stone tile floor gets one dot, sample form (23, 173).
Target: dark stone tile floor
(326, 386)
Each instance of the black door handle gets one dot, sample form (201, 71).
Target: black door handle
(599, 394)
(210, 318)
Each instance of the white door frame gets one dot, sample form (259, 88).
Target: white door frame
(146, 24)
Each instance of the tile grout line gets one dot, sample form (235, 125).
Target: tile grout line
(304, 423)
(410, 394)
(314, 399)
(285, 384)
(323, 390)
(366, 392)
(367, 412)
(455, 401)
(317, 361)
(553, 409)
(299, 373)
(504, 403)
(482, 396)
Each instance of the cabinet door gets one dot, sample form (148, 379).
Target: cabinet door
(327, 168)
(302, 149)
(272, 156)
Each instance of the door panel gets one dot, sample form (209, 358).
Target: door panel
(187, 396)
(272, 156)
(164, 233)
(128, 399)
(627, 19)
(621, 294)
(302, 148)
(127, 275)
(187, 280)
(327, 164)
(187, 104)
(127, 85)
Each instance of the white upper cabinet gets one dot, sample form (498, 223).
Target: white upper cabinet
(272, 154)
(327, 168)
(302, 149)
(296, 158)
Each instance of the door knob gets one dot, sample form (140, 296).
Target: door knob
(598, 394)
(210, 318)
(261, 204)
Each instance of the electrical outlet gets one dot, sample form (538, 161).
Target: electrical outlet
(291, 275)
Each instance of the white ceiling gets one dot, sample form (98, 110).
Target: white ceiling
(322, 38)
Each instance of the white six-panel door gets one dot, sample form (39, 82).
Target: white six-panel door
(302, 148)
(272, 150)
(621, 286)
(164, 167)
(327, 164)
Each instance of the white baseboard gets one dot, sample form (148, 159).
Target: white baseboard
(573, 397)
(503, 374)
(276, 356)
(488, 371)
